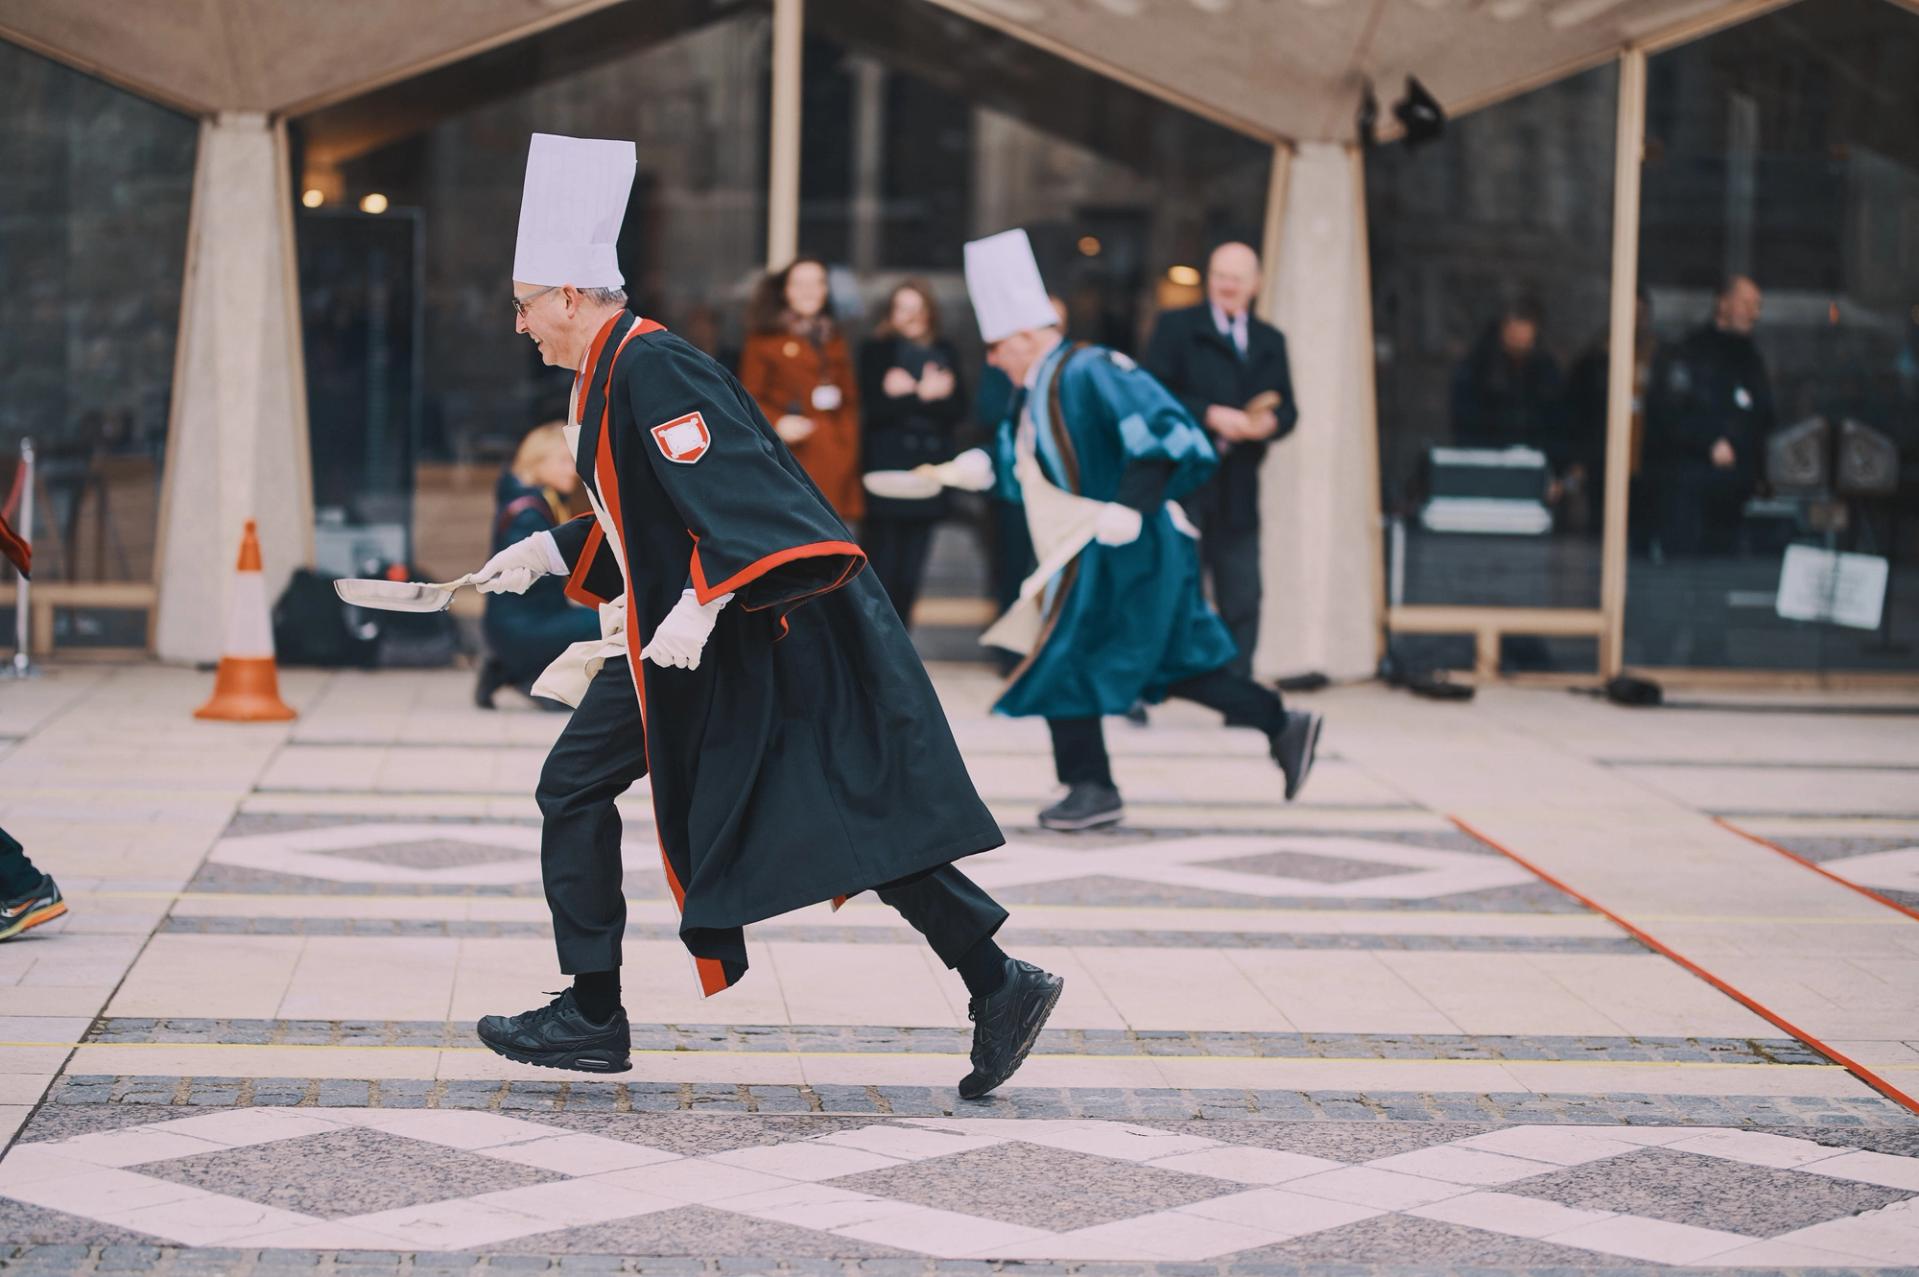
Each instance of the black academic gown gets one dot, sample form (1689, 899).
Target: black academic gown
(807, 758)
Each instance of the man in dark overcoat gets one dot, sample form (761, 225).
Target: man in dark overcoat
(1228, 368)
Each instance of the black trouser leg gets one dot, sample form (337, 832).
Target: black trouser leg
(1232, 560)
(597, 758)
(896, 550)
(916, 542)
(1079, 751)
(946, 907)
(879, 537)
(17, 874)
(1243, 702)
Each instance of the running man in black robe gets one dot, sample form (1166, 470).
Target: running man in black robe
(796, 749)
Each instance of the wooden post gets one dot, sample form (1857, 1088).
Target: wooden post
(1628, 149)
(783, 169)
(1368, 419)
(1272, 238)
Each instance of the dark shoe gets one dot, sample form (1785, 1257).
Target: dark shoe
(25, 912)
(1006, 1024)
(558, 1036)
(1137, 715)
(1294, 745)
(1087, 805)
(493, 677)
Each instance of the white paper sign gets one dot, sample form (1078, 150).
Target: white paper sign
(1821, 585)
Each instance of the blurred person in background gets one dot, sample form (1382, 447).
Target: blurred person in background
(796, 366)
(1229, 370)
(1584, 481)
(1708, 413)
(912, 403)
(1507, 391)
(526, 632)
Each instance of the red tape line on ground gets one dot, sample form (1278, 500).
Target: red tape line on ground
(1816, 867)
(1665, 950)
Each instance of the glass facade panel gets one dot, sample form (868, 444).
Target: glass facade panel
(93, 241)
(1775, 493)
(1491, 257)
(418, 387)
(924, 129)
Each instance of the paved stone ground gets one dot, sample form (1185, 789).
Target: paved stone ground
(1336, 1037)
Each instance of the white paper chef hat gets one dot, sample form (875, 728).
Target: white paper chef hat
(571, 209)
(1003, 279)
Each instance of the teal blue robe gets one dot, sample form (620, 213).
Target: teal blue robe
(1124, 623)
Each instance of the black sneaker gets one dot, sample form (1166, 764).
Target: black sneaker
(1087, 805)
(1006, 1024)
(558, 1036)
(1294, 745)
(25, 912)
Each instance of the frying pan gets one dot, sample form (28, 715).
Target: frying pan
(399, 596)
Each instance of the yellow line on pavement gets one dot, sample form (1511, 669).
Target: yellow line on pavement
(1247, 911)
(1863, 920)
(1223, 910)
(946, 1055)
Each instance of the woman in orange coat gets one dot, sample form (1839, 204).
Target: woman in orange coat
(796, 365)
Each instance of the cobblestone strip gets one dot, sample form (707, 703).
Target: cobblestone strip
(865, 1039)
(916, 1101)
(868, 1039)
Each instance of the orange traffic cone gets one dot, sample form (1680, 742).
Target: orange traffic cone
(247, 687)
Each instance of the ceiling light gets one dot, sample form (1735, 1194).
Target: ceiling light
(1089, 245)
(374, 203)
(312, 197)
(1184, 276)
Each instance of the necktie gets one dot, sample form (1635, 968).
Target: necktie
(1235, 332)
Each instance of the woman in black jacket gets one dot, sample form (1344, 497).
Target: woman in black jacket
(912, 402)
(525, 632)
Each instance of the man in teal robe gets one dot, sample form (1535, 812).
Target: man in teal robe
(1109, 451)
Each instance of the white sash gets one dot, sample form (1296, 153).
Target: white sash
(566, 679)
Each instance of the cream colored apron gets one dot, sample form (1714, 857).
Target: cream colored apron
(1061, 524)
(566, 679)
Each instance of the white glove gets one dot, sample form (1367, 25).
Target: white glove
(515, 569)
(682, 635)
(972, 471)
(1117, 524)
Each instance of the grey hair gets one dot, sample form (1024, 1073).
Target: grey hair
(605, 296)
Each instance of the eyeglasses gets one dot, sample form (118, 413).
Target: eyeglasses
(521, 303)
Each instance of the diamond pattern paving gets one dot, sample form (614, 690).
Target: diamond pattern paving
(1407, 1239)
(440, 1179)
(1040, 1187)
(702, 1231)
(1338, 1141)
(437, 853)
(1706, 1192)
(351, 1172)
(1291, 864)
(672, 1134)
